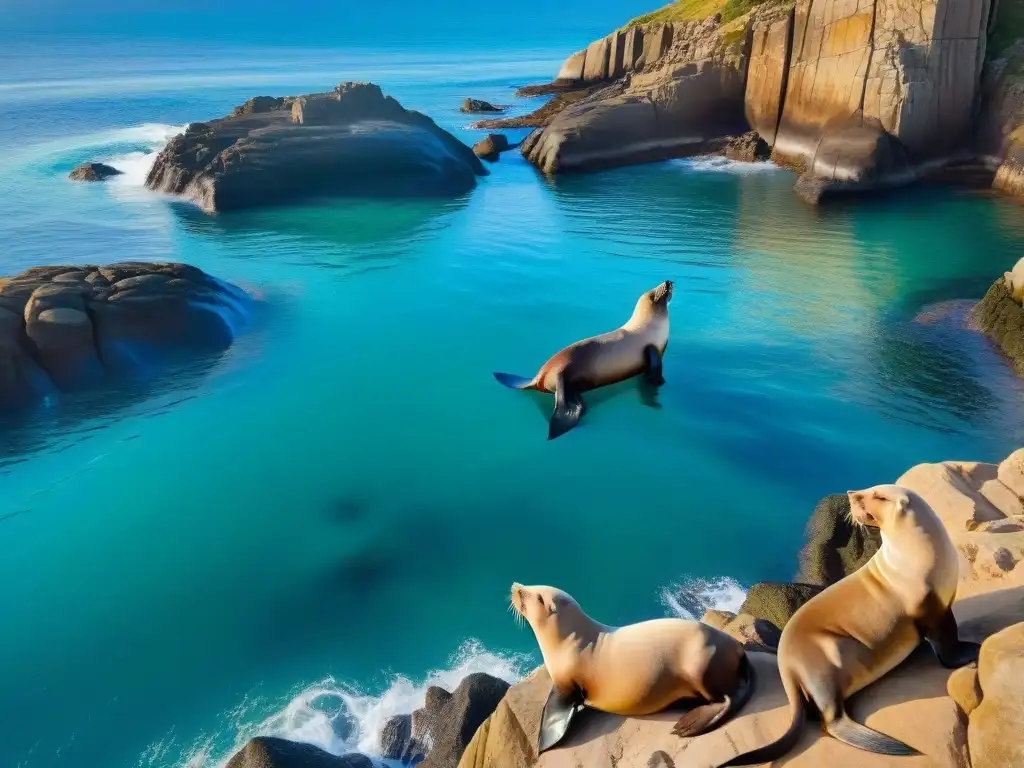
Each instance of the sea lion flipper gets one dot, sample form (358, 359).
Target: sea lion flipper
(652, 366)
(944, 638)
(512, 381)
(848, 731)
(709, 716)
(556, 717)
(568, 410)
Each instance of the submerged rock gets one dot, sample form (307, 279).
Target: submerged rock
(66, 328)
(491, 147)
(270, 752)
(93, 172)
(350, 141)
(478, 105)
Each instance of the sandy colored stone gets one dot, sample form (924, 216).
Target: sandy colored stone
(767, 74)
(996, 729)
(595, 67)
(572, 69)
(963, 688)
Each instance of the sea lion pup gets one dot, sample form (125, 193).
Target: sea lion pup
(639, 669)
(634, 348)
(853, 633)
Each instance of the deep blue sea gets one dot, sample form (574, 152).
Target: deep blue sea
(297, 538)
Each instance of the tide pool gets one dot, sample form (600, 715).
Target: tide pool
(300, 536)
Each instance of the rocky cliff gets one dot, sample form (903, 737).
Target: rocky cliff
(852, 94)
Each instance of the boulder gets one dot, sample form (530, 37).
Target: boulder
(1001, 315)
(491, 147)
(93, 172)
(748, 148)
(776, 603)
(261, 104)
(70, 327)
(754, 634)
(477, 105)
(995, 732)
(397, 743)
(835, 547)
(350, 141)
(447, 721)
(270, 752)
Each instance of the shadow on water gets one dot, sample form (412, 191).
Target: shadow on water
(343, 233)
(60, 426)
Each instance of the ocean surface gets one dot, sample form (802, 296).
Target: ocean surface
(299, 536)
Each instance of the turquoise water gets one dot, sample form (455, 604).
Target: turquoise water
(294, 539)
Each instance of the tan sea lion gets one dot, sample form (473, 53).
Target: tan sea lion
(639, 669)
(634, 348)
(860, 628)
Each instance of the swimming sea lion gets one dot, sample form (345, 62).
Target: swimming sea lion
(634, 348)
(860, 628)
(639, 669)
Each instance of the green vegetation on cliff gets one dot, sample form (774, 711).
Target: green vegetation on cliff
(697, 10)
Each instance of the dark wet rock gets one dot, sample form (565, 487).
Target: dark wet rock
(835, 547)
(478, 105)
(93, 172)
(748, 148)
(67, 328)
(491, 147)
(776, 603)
(447, 721)
(397, 743)
(270, 752)
(1000, 315)
(350, 141)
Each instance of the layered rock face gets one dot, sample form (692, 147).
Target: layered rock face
(70, 327)
(684, 88)
(981, 507)
(1000, 314)
(352, 140)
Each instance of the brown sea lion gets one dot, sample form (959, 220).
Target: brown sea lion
(863, 626)
(638, 669)
(634, 348)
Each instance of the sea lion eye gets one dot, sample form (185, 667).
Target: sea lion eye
(540, 599)
(878, 497)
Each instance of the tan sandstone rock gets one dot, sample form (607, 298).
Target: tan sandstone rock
(996, 730)
(572, 69)
(766, 75)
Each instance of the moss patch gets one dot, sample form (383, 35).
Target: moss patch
(1002, 319)
(698, 10)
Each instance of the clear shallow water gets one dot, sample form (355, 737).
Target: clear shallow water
(291, 539)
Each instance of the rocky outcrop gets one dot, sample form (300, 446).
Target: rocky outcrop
(990, 695)
(835, 547)
(269, 752)
(448, 721)
(543, 114)
(1000, 314)
(350, 141)
(981, 507)
(689, 92)
(478, 105)
(66, 328)
(491, 147)
(93, 172)
(748, 148)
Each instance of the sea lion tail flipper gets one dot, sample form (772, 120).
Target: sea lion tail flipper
(788, 740)
(709, 716)
(557, 716)
(652, 365)
(568, 410)
(512, 381)
(848, 731)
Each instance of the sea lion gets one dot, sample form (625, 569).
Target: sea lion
(863, 626)
(634, 348)
(639, 669)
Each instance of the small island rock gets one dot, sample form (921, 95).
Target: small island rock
(93, 172)
(491, 147)
(353, 140)
(65, 328)
(478, 105)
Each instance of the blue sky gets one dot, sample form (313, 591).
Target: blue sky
(326, 20)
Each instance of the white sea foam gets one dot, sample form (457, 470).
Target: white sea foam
(717, 164)
(338, 717)
(689, 598)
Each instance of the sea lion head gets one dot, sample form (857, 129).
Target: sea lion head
(549, 611)
(881, 506)
(660, 295)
